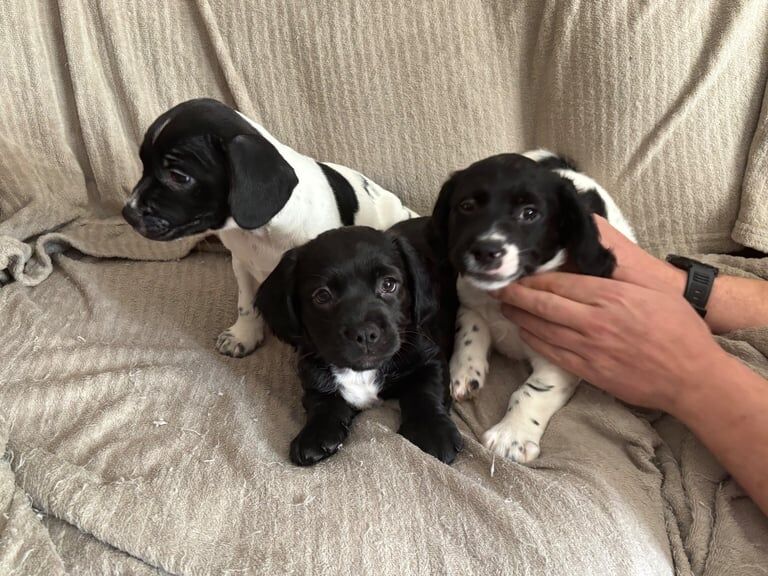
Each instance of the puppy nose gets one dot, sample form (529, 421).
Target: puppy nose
(488, 254)
(364, 335)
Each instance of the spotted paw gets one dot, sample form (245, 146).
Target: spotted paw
(467, 378)
(240, 339)
(515, 440)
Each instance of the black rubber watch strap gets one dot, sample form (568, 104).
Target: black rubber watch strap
(701, 279)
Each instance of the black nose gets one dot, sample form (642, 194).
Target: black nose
(487, 253)
(364, 335)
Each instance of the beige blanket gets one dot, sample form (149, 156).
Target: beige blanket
(131, 447)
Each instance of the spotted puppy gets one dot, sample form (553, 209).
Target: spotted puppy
(208, 168)
(501, 219)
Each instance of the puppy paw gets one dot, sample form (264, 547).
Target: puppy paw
(467, 377)
(513, 439)
(240, 339)
(317, 442)
(437, 436)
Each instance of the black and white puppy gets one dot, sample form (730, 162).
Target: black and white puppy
(371, 319)
(209, 168)
(500, 219)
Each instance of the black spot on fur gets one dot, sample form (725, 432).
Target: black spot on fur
(540, 387)
(527, 393)
(366, 183)
(467, 342)
(344, 193)
(535, 421)
(475, 329)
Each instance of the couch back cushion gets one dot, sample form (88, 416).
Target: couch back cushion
(658, 101)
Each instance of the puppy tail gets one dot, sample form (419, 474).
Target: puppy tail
(550, 160)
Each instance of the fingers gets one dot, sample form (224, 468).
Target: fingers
(542, 297)
(565, 359)
(551, 332)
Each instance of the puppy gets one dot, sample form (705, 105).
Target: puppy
(368, 316)
(208, 168)
(501, 219)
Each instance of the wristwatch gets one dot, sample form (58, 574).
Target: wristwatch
(701, 278)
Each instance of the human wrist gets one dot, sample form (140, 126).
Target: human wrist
(703, 385)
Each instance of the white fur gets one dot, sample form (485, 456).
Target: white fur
(360, 389)
(480, 322)
(310, 210)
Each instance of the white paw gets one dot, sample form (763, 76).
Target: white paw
(467, 377)
(515, 439)
(242, 338)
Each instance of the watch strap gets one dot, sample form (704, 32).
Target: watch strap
(701, 279)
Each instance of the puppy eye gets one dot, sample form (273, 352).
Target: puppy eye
(322, 296)
(179, 177)
(529, 214)
(388, 285)
(467, 205)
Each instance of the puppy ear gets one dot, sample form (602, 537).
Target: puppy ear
(581, 236)
(277, 303)
(260, 180)
(423, 301)
(437, 232)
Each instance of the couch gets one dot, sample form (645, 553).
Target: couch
(129, 446)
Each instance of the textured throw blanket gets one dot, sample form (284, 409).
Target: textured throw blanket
(129, 446)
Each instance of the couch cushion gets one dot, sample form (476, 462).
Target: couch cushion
(659, 101)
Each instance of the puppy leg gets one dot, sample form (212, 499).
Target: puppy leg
(518, 435)
(328, 420)
(469, 363)
(247, 333)
(424, 408)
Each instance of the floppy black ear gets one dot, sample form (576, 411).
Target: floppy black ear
(423, 300)
(581, 237)
(437, 232)
(277, 302)
(260, 180)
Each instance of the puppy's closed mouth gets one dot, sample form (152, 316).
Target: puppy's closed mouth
(169, 233)
(489, 281)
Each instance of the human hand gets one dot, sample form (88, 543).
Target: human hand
(646, 347)
(635, 266)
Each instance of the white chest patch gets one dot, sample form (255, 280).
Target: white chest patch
(360, 389)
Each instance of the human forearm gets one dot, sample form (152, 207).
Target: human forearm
(737, 303)
(734, 302)
(725, 405)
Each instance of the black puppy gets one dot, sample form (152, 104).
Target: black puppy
(371, 319)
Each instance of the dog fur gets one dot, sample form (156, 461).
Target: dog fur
(500, 219)
(209, 169)
(371, 318)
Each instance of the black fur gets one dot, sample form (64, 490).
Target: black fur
(493, 196)
(557, 162)
(409, 352)
(232, 170)
(592, 201)
(346, 200)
